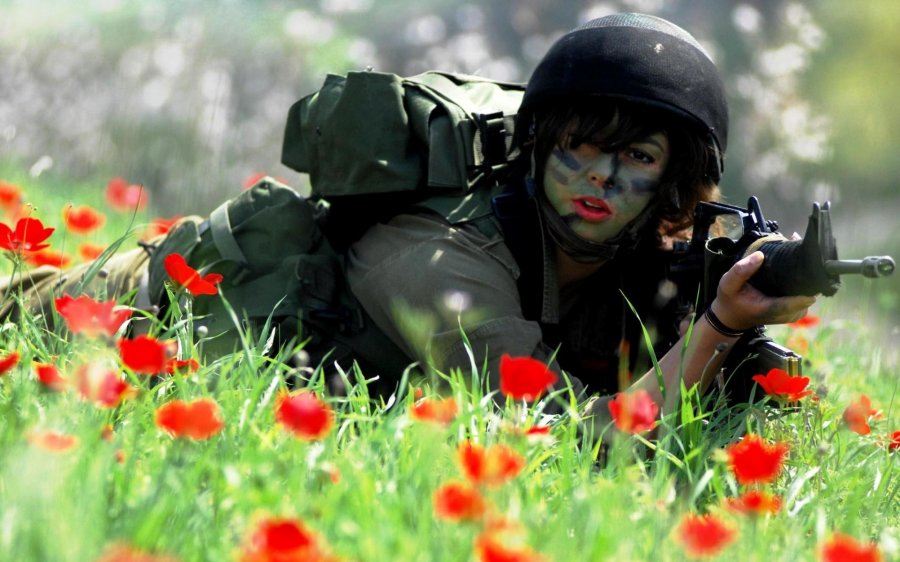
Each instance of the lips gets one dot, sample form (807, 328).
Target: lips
(592, 209)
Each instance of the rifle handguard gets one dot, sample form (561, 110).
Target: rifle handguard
(797, 267)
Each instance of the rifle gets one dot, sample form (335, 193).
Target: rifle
(809, 266)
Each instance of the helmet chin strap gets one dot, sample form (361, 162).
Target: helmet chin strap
(585, 251)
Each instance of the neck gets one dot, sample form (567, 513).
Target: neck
(569, 270)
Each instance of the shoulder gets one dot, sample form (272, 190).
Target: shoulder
(429, 237)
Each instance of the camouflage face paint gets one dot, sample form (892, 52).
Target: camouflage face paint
(598, 192)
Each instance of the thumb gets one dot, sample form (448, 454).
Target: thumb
(742, 271)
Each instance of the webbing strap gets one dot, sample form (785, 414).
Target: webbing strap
(490, 145)
(220, 226)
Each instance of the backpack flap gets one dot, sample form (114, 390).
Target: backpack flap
(373, 133)
(353, 137)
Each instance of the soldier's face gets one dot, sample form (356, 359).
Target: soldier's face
(597, 193)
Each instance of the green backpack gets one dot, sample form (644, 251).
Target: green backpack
(375, 133)
(276, 265)
(371, 143)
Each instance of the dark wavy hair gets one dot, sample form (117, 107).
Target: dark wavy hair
(685, 181)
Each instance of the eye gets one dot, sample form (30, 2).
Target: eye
(640, 156)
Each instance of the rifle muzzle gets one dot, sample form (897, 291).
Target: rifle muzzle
(871, 266)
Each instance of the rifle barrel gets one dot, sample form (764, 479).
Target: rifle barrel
(871, 266)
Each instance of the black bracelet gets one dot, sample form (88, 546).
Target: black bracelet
(718, 326)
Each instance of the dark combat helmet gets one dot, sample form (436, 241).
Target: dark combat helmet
(638, 58)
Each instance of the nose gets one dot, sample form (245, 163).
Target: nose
(602, 171)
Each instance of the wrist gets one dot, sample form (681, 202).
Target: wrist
(721, 327)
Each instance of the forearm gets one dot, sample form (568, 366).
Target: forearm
(696, 365)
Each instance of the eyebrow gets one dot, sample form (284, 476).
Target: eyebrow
(653, 141)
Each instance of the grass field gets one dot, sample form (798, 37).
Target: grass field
(104, 467)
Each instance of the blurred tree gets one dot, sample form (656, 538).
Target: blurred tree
(855, 80)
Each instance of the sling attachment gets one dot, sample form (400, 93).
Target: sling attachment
(148, 247)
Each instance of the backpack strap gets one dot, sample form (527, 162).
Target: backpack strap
(491, 145)
(220, 228)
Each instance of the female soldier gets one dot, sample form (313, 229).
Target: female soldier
(622, 130)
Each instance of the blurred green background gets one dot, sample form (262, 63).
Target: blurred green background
(189, 97)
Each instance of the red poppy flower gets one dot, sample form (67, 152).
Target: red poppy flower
(52, 441)
(125, 553)
(333, 472)
(634, 412)
(181, 365)
(894, 441)
(101, 385)
(538, 430)
(807, 321)
(844, 548)
(252, 179)
(782, 386)
(124, 197)
(28, 236)
(49, 376)
(84, 315)
(490, 466)
(524, 378)
(753, 460)
(160, 226)
(704, 535)
(83, 219)
(502, 525)
(533, 434)
(281, 539)
(189, 278)
(90, 252)
(490, 547)
(10, 195)
(196, 420)
(857, 414)
(458, 501)
(434, 410)
(144, 354)
(8, 362)
(304, 414)
(537, 434)
(755, 502)
(798, 342)
(48, 257)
